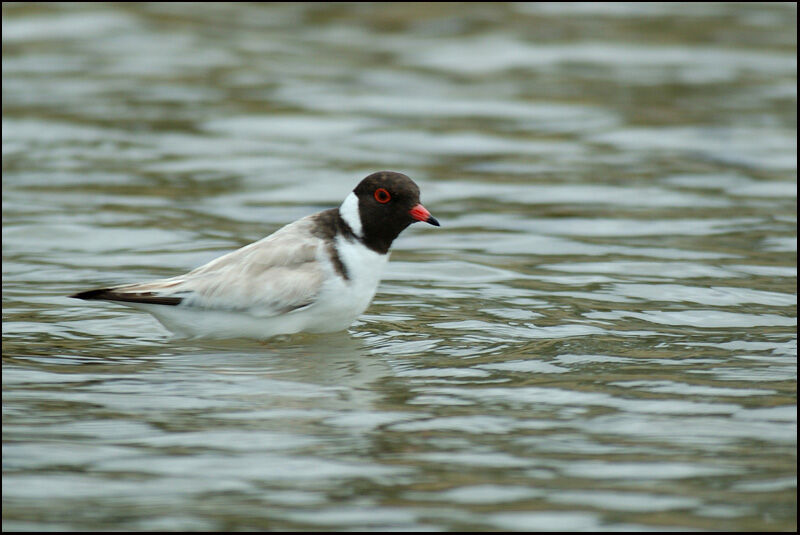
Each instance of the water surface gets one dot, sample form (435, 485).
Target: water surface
(601, 336)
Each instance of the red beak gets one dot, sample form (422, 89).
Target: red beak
(420, 213)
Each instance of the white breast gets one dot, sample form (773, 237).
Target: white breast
(342, 300)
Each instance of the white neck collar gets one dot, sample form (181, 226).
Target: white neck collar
(349, 212)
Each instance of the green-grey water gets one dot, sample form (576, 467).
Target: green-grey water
(601, 335)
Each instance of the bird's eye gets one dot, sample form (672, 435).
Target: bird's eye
(382, 196)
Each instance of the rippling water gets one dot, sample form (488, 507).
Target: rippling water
(601, 336)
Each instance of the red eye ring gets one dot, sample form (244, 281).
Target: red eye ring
(382, 196)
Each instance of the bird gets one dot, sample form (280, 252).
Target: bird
(317, 274)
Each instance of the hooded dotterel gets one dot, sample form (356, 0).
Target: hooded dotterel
(317, 274)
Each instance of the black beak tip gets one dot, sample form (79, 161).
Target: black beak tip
(433, 221)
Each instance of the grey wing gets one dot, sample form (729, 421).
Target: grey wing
(275, 275)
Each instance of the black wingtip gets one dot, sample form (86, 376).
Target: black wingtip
(102, 293)
(108, 294)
